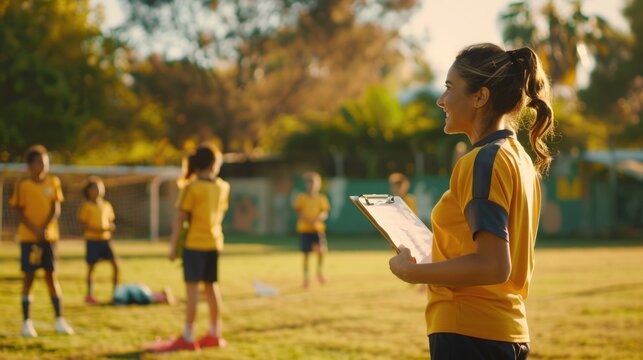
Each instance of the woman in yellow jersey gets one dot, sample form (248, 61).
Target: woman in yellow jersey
(485, 225)
(312, 210)
(96, 216)
(37, 200)
(202, 203)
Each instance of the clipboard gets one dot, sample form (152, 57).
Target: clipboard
(397, 223)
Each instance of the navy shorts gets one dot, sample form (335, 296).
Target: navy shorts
(98, 250)
(34, 256)
(449, 346)
(200, 265)
(307, 240)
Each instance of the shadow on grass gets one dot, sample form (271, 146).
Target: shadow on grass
(30, 345)
(11, 278)
(126, 355)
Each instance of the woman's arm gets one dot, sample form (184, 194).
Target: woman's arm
(490, 264)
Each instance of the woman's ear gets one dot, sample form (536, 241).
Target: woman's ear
(481, 97)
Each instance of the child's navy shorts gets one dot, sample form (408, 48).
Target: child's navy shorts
(98, 250)
(200, 265)
(34, 256)
(307, 240)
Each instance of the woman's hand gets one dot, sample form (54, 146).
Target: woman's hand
(401, 264)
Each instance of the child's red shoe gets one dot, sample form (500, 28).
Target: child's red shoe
(321, 279)
(173, 344)
(90, 300)
(212, 341)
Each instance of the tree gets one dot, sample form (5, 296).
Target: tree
(58, 74)
(265, 59)
(615, 92)
(373, 135)
(563, 40)
(566, 42)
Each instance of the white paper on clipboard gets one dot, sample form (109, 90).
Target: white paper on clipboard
(397, 223)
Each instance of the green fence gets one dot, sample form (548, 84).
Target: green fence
(571, 206)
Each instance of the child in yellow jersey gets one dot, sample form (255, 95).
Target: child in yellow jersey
(96, 216)
(203, 203)
(485, 225)
(37, 200)
(400, 185)
(312, 210)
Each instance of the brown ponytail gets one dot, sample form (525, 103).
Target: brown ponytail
(204, 157)
(537, 90)
(515, 79)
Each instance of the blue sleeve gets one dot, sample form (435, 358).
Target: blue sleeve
(481, 213)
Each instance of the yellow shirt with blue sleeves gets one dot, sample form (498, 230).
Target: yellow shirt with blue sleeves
(207, 202)
(36, 199)
(310, 207)
(97, 215)
(494, 188)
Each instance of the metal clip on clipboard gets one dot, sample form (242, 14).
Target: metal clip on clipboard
(378, 199)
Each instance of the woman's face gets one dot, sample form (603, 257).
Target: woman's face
(458, 105)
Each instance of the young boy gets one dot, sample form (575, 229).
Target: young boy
(37, 200)
(96, 216)
(312, 210)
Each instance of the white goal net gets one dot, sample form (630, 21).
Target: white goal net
(142, 198)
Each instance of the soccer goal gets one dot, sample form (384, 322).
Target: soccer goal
(142, 198)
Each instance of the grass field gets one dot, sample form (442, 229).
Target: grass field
(586, 302)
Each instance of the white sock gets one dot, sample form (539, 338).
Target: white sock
(187, 333)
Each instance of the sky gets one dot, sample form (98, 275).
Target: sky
(451, 25)
(446, 26)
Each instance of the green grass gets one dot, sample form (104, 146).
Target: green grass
(585, 303)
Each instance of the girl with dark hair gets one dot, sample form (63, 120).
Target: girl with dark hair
(202, 203)
(485, 225)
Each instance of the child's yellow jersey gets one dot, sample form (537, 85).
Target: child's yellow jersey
(411, 203)
(97, 215)
(494, 188)
(206, 202)
(310, 207)
(36, 199)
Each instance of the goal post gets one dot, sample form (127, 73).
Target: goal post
(140, 195)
